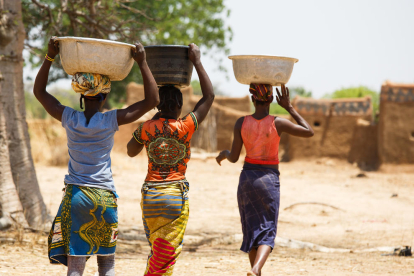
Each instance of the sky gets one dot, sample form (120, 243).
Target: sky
(338, 43)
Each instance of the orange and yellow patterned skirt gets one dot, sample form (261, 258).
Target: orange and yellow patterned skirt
(165, 211)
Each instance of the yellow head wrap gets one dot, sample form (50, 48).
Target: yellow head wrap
(89, 84)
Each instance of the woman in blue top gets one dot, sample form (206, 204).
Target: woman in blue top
(87, 221)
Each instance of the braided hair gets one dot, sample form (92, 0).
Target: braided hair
(170, 98)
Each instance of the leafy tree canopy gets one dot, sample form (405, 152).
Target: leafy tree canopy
(150, 22)
(356, 92)
(352, 92)
(299, 91)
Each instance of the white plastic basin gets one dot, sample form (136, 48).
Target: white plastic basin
(271, 70)
(100, 56)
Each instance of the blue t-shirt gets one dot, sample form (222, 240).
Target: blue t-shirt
(89, 147)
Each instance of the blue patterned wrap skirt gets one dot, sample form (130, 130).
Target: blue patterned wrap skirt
(258, 196)
(86, 224)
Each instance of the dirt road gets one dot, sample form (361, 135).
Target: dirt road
(372, 209)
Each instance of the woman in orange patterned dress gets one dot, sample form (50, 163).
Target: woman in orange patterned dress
(167, 140)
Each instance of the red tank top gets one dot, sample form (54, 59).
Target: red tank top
(261, 140)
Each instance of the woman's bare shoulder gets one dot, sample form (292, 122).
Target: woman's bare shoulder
(239, 122)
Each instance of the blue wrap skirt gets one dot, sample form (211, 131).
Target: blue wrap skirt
(86, 224)
(258, 197)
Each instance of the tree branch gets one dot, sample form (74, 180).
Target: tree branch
(135, 11)
(32, 49)
(90, 20)
(49, 11)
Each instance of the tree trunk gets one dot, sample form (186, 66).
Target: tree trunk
(11, 68)
(10, 206)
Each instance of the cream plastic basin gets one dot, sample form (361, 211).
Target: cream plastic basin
(271, 70)
(100, 56)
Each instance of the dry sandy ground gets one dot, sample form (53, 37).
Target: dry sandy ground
(368, 217)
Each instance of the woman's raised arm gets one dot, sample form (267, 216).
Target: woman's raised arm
(50, 103)
(152, 98)
(302, 129)
(203, 106)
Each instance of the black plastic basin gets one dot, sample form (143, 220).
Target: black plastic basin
(170, 65)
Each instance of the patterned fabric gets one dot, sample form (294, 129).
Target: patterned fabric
(261, 140)
(261, 92)
(85, 225)
(258, 197)
(167, 142)
(165, 212)
(90, 84)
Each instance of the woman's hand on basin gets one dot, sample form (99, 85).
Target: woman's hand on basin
(194, 54)
(138, 53)
(53, 47)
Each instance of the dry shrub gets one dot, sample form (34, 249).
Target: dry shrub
(48, 141)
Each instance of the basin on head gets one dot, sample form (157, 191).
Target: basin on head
(170, 64)
(90, 55)
(271, 70)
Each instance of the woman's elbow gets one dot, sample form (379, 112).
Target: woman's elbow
(310, 133)
(211, 97)
(130, 154)
(156, 101)
(233, 160)
(208, 97)
(36, 93)
(153, 103)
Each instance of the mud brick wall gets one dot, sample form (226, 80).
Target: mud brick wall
(334, 123)
(243, 104)
(396, 123)
(364, 146)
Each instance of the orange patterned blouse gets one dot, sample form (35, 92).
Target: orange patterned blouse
(167, 142)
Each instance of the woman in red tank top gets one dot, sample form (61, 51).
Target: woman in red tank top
(258, 194)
